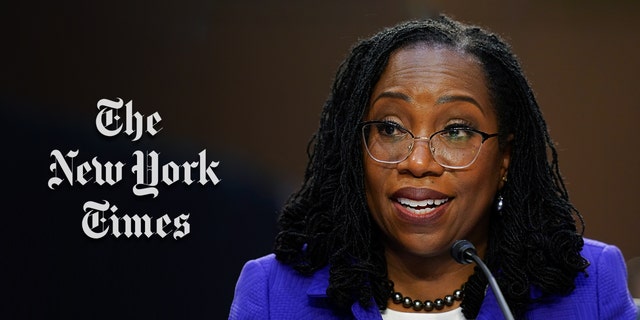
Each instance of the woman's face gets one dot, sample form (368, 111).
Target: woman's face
(421, 206)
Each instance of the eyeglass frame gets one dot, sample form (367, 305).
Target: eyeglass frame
(485, 136)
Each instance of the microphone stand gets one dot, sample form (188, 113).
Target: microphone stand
(464, 252)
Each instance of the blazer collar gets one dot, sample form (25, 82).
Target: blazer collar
(318, 290)
(319, 283)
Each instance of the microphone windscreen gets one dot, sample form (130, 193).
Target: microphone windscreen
(459, 251)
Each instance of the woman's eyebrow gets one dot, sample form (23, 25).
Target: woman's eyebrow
(454, 98)
(394, 95)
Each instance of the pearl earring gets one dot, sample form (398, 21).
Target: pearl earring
(499, 203)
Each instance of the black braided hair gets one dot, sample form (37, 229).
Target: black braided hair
(533, 242)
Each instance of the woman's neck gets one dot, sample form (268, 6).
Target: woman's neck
(427, 278)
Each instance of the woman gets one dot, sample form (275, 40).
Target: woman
(432, 134)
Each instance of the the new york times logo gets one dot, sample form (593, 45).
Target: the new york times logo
(100, 218)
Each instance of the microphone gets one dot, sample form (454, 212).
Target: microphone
(464, 252)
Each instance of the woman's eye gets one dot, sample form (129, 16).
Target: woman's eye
(458, 134)
(389, 129)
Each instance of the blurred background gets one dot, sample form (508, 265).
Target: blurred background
(246, 81)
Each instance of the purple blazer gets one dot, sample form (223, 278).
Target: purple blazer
(268, 289)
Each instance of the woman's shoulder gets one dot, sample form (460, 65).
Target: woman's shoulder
(263, 266)
(595, 250)
(269, 286)
(606, 276)
(593, 244)
(268, 271)
(266, 260)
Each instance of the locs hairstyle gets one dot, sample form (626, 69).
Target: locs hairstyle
(533, 241)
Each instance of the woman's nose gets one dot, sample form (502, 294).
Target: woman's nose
(420, 161)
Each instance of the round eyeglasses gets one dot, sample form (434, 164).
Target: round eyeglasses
(456, 147)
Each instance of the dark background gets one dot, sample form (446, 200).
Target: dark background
(246, 80)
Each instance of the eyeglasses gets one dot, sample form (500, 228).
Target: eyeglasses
(454, 148)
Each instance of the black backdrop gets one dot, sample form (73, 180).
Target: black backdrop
(54, 270)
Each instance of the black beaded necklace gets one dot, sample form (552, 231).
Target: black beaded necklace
(427, 305)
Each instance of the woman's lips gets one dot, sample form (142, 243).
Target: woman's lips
(420, 205)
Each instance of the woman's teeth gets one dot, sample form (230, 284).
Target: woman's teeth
(422, 206)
